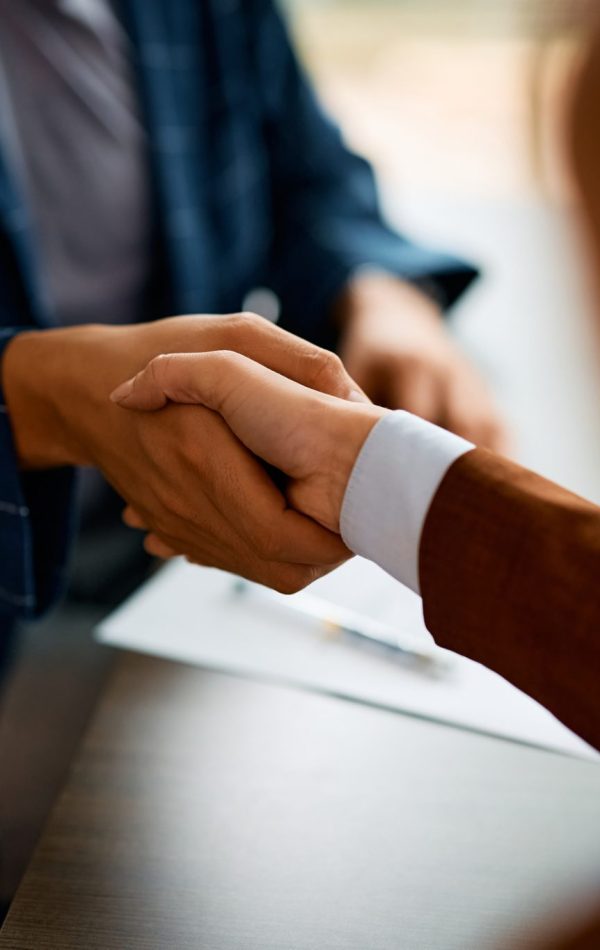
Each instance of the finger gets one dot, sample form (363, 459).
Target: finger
(291, 578)
(295, 538)
(207, 379)
(265, 343)
(498, 438)
(292, 356)
(224, 500)
(157, 548)
(285, 577)
(494, 435)
(292, 539)
(257, 512)
(132, 519)
(416, 389)
(265, 410)
(470, 412)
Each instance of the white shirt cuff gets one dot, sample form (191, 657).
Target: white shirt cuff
(394, 480)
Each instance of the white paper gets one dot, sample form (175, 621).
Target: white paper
(194, 615)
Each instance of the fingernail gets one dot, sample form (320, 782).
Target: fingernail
(357, 396)
(122, 391)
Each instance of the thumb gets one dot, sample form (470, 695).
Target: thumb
(260, 341)
(261, 407)
(205, 379)
(147, 389)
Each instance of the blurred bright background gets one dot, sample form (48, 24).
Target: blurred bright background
(458, 93)
(461, 106)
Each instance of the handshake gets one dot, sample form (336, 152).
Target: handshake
(184, 440)
(269, 397)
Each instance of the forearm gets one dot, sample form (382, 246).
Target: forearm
(35, 524)
(57, 384)
(508, 569)
(45, 378)
(506, 562)
(390, 489)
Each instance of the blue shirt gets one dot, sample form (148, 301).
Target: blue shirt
(253, 187)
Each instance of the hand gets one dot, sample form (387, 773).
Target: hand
(189, 478)
(312, 437)
(397, 348)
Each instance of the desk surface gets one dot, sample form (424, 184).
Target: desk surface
(206, 811)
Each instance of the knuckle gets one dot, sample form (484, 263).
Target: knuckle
(334, 365)
(158, 367)
(218, 361)
(251, 318)
(327, 369)
(224, 359)
(245, 323)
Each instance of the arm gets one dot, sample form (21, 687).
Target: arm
(35, 522)
(345, 278)
(510, 577)
(325, 204)
(507, 563)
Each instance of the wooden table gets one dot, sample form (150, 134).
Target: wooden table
(207, 811)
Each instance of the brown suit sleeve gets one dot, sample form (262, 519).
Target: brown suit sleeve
(585, 936)
(510, 576)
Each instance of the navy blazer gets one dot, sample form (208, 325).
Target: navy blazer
(254, 187)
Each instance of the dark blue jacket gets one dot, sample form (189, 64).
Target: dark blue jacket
(254, 187)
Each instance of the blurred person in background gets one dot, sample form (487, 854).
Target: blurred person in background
(156, 158)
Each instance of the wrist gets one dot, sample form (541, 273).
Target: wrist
(372, 291)
(350, 428)
(50, 380)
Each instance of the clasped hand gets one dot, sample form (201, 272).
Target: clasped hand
(193, 483)
(311, 436)
(208, 496)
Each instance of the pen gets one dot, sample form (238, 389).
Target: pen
(341, 622)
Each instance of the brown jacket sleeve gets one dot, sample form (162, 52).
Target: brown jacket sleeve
(510, 576)
(586, 936)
